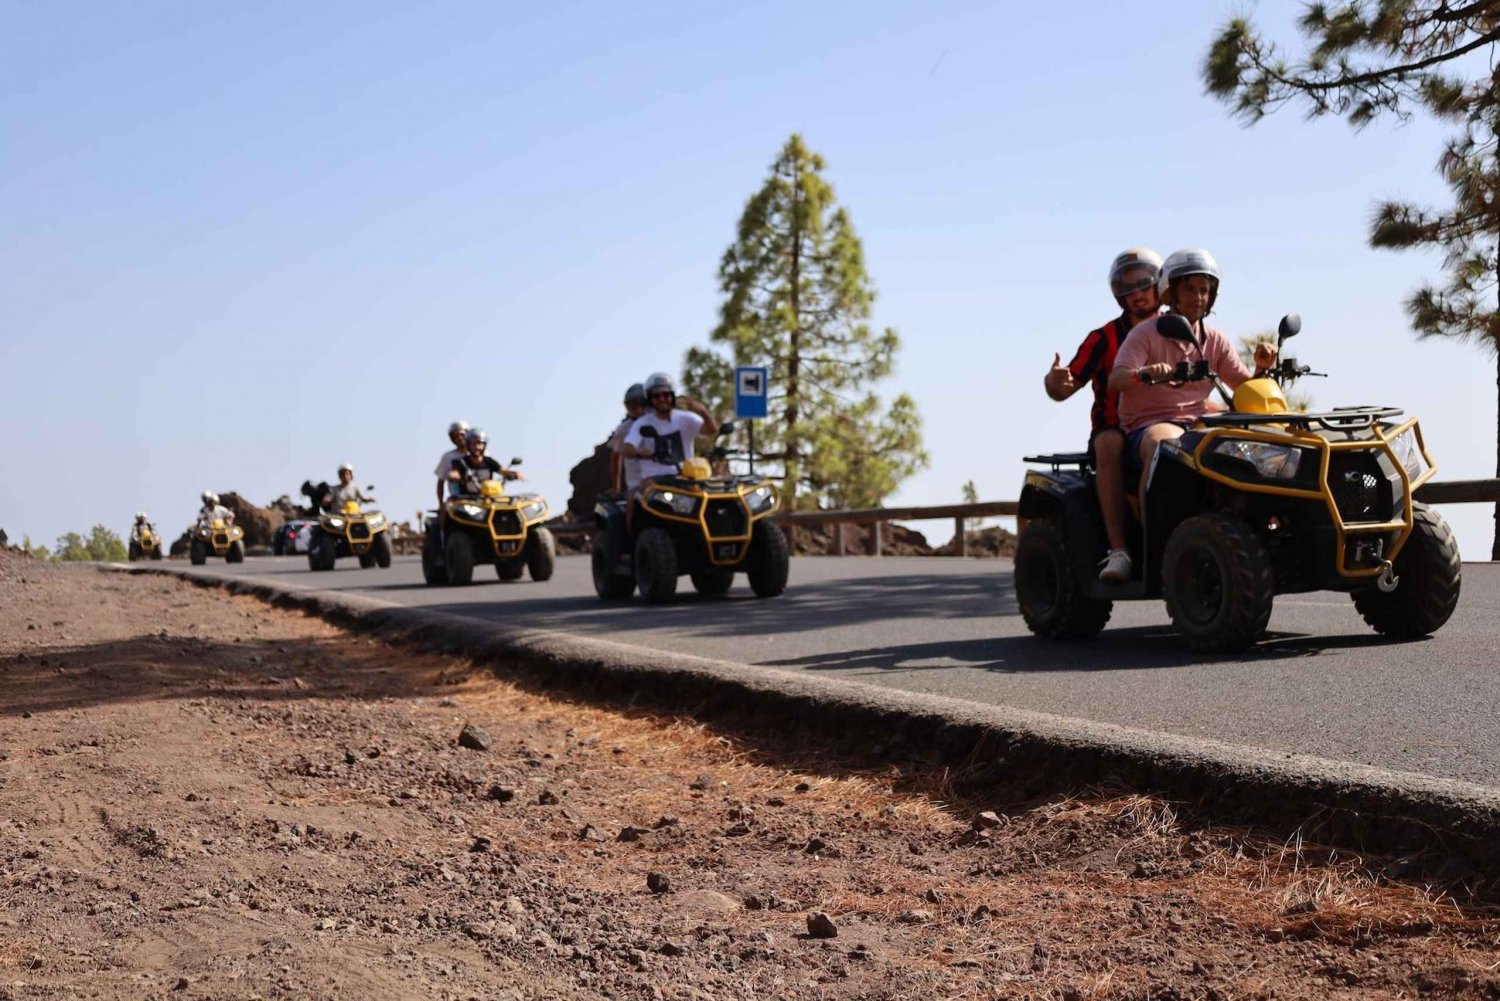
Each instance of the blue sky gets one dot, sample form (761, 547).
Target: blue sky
(243, 244)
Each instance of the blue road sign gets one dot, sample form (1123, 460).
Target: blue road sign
(749, 392)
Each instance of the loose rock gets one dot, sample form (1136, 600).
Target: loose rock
(474, 738)
(820, 925)
(657, 882)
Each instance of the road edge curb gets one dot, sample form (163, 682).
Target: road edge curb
(1369, 810)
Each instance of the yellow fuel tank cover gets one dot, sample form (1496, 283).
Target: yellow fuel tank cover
(491, 488)
(1260, 396)
(696, 469)
(351, 507)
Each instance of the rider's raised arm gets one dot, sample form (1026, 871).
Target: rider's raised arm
(710, 426)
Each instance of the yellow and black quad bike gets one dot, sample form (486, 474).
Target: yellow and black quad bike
(697, 523)
(1248, 504)
(489, 525)
(350, 531)
(145, 544)
(216, 538)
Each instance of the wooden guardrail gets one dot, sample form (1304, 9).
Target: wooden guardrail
(1448, 492)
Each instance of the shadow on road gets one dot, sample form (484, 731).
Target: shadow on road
(1128, 649)
(829, 605)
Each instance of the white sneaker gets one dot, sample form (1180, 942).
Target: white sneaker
(1115, 568)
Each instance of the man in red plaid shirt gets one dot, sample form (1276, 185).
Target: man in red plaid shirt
(1132, 281)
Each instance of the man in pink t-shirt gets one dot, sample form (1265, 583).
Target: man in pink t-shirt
(1150, 411)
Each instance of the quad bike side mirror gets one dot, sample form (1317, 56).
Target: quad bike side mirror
(369, 486)
(1175, 327)
(1290, 326)
(727, 428)
(515, 460)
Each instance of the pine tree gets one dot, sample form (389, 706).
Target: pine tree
(797, 298)
(1369, 58)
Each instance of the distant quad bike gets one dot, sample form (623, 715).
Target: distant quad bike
(697, 523)
(1246, 505)
(145, 544)
(216, 539)
(488, 525)
(350, 531)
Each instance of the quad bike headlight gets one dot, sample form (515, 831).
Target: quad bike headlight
(473, 512)
(1274, 462)
(1409, 453)
(335, 522)
(684, 504)
(375, 520)
(760, 499)
(534, 509)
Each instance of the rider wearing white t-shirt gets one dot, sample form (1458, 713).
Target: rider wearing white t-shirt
(663, 438)
(456, 432)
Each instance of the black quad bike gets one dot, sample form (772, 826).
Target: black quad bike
(698, 523)
(1248, 504)
(485, 524)
(350, 531)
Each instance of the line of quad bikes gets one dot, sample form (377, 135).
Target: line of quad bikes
(1251, 502)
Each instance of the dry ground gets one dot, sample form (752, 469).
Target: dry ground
(204, 797)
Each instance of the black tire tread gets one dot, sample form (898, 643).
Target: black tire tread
(1431, 576)
(768, 562)
(1250, 589)
(1072, 615)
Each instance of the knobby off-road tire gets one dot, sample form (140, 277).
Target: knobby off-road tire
(541, 554)
(236, 552)
(382, 548)
(433, 570)
(604, 560)
(1048, 586)
(713, 582)
(366, 560)
(769, 560)
(197, 553)
(133, 551)
(510, 569)
(656, 565)
(1217, 581)
(1429, 574)
(458, 557)
(326, 548)
(278, 547)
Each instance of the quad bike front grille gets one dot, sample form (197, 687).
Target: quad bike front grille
(726, 519)
(1361, 490)
(359, 531)
(505, 523)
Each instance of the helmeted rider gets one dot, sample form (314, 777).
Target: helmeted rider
(212, 510)
(142, 523)
(474, 467)
(346, 490)
(1133, 276)
(619, 465)
(1151, 409)
(456, 432)
(662, 438)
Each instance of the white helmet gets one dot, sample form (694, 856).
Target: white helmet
(140, 516)
(209, 497)
(344, 467)
(1192, 261)
(1133, 270)
(458, 427)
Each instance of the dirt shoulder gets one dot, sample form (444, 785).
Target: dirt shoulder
(201, 796)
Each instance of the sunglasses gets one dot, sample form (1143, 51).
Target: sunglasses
(662, 395)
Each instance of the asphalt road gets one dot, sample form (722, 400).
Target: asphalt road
(1322, 683)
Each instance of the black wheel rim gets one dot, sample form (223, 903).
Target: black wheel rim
(1200, 587)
